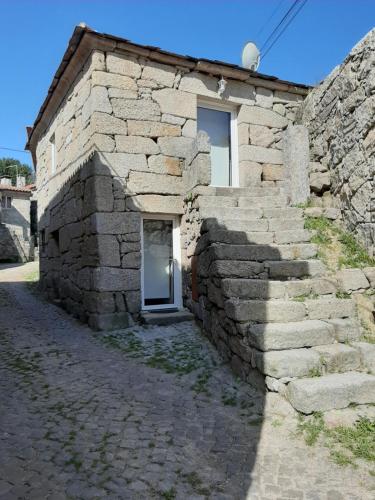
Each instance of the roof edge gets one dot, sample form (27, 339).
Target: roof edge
(85, 39)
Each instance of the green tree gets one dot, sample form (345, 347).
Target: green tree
(7, 168)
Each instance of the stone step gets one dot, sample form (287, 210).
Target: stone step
(275, 289)
(300, 288)
(290, 363)
(220, 212)
(295, 268)
(244, 192)
(291, 236)
(165, 317)
(214, 201)
(253, 288)
(236, 269)
(345, 329)
(285, 311)
(262, 311)
(283, 213)
(263, 253)
(257, 237)
(331, 391)
(329, 308)
(367, 355)
(263, 201)
(316, 361)
(285, 224)
(294, 335)
(252, 225)
(338, 358)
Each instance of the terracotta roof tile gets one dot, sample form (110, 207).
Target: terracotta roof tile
(25, 189)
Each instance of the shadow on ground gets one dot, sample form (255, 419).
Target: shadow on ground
(138, 413)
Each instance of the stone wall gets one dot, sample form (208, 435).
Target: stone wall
(15, 240)
(11, 248)
(340, 116)
(70, 127)
(89, 252)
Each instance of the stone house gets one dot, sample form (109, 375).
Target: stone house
(16, 243)
(168, 183)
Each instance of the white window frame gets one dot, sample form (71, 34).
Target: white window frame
(232, 109)
(53, 154)
(176, 242)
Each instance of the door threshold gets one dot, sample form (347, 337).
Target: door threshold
(161, 310)
(165, 317)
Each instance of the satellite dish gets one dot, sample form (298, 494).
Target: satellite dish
(250, 56)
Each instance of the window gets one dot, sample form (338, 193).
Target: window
(220, 125)
(53, 154)
(6, 202)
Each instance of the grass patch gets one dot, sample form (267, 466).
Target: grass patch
(302, 298)
(75, 461)
(32, 280)
(343, 295)
(311, 428)
(346, 444)
(315, 372)
(307, 204)
(229, 398)
(200, 385)
(169, 494)
(129, 344)
(337, 248)
(196, 483)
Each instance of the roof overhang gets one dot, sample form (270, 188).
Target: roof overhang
(84, 40)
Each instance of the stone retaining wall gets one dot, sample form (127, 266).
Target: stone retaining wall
(340, 116)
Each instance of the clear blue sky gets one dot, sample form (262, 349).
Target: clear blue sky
(34, 35)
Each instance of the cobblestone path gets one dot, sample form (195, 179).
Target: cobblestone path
(141, 413)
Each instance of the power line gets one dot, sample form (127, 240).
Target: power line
(269, 19)
(284, 18)
(18, 150)
(304, 2)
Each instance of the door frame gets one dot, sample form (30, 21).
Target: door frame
(176, 248)
(232, 109)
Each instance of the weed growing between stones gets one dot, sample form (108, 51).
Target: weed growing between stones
(229, 398)
(302, 298)
(315, 372)
(196, 483)
(343, 295)
(169, 494)
(337, 248)
(346, 444)
(201, 383)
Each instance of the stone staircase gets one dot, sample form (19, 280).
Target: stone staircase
(270, 307)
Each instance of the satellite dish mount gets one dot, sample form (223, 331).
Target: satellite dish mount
(250, 56)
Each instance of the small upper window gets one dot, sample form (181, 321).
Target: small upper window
(6, 202)
(53, 154)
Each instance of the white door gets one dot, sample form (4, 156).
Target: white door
(161, 284)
